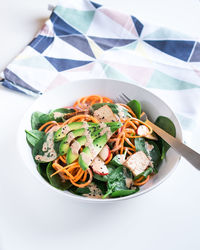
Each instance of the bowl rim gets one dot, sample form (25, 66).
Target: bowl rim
(95, 200)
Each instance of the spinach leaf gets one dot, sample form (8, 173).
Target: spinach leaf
(116, 181)
(35, 120)
(38, 118)
(56, 180)
(72, 189)
(136, 107)
(120, 193)
(38, 149)
(167, 125)
(41, 168)
(46, 118)
(117, 184)
(63, 110)
(52, 116)
(101, 185)
(128, 173)
(84, 190)
(33, 136)
(140, 145)
(154, 154)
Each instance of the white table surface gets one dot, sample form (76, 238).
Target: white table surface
(33, 217)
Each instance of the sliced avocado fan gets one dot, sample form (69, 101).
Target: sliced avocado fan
(90, 152)
(81, 141)
(67, 139)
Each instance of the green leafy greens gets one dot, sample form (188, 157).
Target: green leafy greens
(167, 125)
(33, 136)
(117, 184)
(136, 107)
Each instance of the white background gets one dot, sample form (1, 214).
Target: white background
(33, 217)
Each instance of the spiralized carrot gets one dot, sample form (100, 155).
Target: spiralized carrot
(62, 158)
(86, 183)
(47, 123)
(79, 174)
(138, 183)
(131, 122)
(49, 127)
(128, 141)
(129, 148)
(73, 172)
(61, 168)
(62, 175)
(126, 134)
(84, 177)
(107, 100)
(86, 101)
(78, 103)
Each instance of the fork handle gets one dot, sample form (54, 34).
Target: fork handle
(188, 153)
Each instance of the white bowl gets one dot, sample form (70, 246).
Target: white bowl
(67, 93)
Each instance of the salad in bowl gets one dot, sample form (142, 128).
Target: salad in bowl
(97, 148)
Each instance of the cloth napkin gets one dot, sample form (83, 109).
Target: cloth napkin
(83, 39)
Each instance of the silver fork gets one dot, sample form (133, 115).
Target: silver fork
(188, 153)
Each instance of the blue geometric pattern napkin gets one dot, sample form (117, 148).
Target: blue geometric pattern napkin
(83, 39)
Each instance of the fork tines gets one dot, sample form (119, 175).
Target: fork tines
(123, 97)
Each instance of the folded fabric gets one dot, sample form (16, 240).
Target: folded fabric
(83, 39)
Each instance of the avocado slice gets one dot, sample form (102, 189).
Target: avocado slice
(86, 156)
(62, 132)
(81, 160)
(71, 157)
(64, 145)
